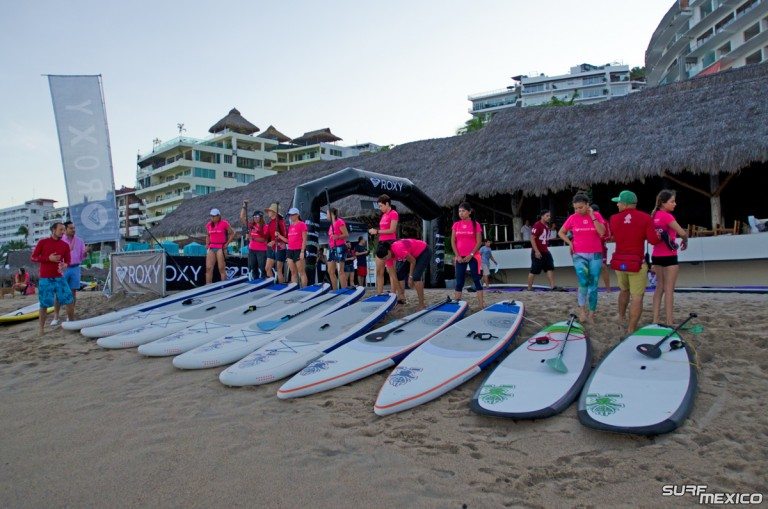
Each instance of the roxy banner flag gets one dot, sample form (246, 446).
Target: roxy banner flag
(81, 122)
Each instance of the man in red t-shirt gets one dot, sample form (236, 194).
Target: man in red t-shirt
(541, 258)
(52, 254)
(630, 229)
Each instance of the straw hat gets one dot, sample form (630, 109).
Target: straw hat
(273, 208)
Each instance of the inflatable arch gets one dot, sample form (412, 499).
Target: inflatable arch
(310, 197)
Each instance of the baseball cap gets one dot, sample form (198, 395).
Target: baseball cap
(627, 197)
(215, 212)
(258, 213)
(293, 210)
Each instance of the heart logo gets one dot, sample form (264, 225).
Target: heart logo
(231, 271)
(121, 273)
(375, 181)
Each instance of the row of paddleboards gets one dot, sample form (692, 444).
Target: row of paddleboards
(322, 340)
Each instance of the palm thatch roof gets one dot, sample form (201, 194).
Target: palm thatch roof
(234, 121)
(318, 136)
(274, 134)
(707, 125)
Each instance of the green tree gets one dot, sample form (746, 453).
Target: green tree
(23, 230)
(472, 125)
(637, 74)
(556, 102)
(13, 245)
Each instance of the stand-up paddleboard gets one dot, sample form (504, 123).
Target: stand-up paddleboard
(363, 357)
(525, 386)
(243, 340)
(152, 304)
(629, 392)
(517, 287)
(292, 352)
(173, 323)
(203, 332)
(723, 289)
(24, 314)
(138, 319)
(450, 358)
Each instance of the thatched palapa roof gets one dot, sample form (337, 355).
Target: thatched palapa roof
(716, 123)
(234, 121)
(318, 136)
(274, 134)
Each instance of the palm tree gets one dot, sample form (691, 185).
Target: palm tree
(23, 230)
(472, 125)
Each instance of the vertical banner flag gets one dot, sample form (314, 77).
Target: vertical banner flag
(81, 122)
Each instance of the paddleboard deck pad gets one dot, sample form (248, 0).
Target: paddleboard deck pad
(450, 358)
(629, 392)
(361, 358)
(523, 386)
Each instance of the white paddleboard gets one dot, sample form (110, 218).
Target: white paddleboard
(629, 392)
(206, 330)
(179, 321)
(292, 352)
(240, 342)
(24, 314)
(138, 319)
(450, 358)
(361, 358)
(523, 386)
(152, 304)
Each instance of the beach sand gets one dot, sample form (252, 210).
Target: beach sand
(86, 427)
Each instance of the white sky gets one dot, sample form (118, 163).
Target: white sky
(389, 71)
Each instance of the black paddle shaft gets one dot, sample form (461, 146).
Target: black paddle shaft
(375, 337)
(567, 333)
(654, 351)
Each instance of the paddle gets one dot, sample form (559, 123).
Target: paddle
(653, 351)
(557, 363)
(375, 337)
(269, 325)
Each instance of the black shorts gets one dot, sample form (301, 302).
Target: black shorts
(664, 261)
(278, 256)
(293, 254)
(545, 263)
(422, 262)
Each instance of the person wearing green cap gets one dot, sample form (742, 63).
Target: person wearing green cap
(631, 228)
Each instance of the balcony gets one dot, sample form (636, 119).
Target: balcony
(162, 186)
(134, 206)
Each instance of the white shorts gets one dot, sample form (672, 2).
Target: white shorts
(486, 270)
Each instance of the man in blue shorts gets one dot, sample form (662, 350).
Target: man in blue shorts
(77, 253)
(52, 254)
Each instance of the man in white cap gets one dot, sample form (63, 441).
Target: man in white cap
(218, 235)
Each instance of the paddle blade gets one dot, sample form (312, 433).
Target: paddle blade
(557, 364)
(269, 325)
(648, 350)
(694, 329)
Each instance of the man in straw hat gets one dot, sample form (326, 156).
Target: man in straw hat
(218, 235)
(277, 236)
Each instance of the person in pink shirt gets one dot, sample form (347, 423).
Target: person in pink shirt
(297, 246)
(218, 235)
(416, 253)
(337, 248)
(587, 229)
(466, 238)
(664, 256)
(257, 242)
(387, 230)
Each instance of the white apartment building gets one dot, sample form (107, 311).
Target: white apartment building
(42, 229)
(231, 156)
(699, 37)
(585, 84)
(314, 146)
(29, 214)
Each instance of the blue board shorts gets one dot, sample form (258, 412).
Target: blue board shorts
(53, 288)
(72, 277)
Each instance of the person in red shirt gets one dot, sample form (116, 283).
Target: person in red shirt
(218, 235)
(276, 235)
(416, 253)
(630, 229)
(297, 246)
(541, 258)
(52, 254)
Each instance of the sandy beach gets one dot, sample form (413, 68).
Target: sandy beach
(84, 427)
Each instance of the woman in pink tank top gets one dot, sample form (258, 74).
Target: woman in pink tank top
(664, 256)
(387, 230)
